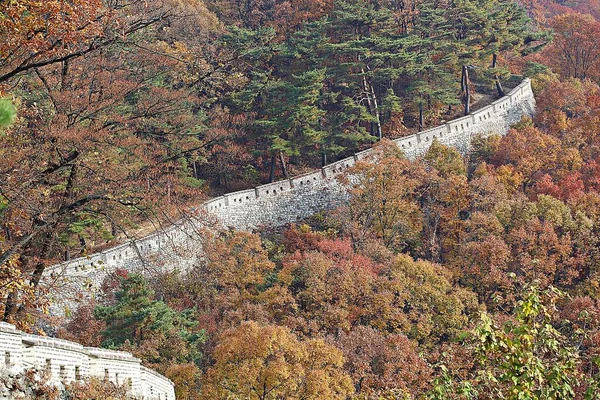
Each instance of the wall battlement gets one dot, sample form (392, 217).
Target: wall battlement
(69, 361)
(282, 202)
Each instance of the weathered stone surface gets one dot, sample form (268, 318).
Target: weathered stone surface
(66, 361)
(274, 204)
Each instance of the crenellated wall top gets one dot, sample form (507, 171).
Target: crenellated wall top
(67, 361)
(290, 199)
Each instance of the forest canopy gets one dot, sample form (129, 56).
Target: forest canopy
(470, 276)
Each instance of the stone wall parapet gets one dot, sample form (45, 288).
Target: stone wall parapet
(289, 200)
(111, 354)
(67, 361)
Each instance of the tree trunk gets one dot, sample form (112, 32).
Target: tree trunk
(499, 87)
(466, 90)
(283, 166)
(377, 116)
(70, 182)
(272, 171)
(421, 119)
(372, 102)
(367, 92)
(373, 106)
(12, 307)
(323, 158)
(64, 72)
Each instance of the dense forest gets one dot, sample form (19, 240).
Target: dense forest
(453, 276)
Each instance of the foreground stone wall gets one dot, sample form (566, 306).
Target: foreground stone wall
(68, 361)
(278, 203)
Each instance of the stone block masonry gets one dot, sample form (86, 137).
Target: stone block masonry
(68, 361)
(283, 202)
(274, 204)
(278, 203)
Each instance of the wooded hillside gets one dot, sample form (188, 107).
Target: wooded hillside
(448, 277)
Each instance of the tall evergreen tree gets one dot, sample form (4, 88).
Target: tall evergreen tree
(509, 29)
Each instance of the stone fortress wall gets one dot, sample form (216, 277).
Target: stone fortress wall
(278, 203)
(68, 361)
(273, 204)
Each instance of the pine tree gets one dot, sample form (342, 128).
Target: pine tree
(508, 29)
(136, 317)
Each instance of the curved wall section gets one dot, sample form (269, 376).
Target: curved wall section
(68, 361)
(283, 202)
(278, 203)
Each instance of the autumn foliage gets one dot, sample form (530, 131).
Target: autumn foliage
(443, 277)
